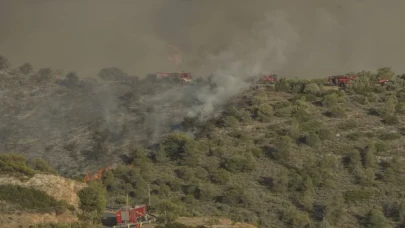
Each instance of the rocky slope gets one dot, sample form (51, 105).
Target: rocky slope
(58, 188)
(55, 186)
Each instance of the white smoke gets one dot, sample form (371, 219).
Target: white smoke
(276, 38)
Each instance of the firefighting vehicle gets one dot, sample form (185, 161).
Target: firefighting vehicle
(129, 217)
(172, 77)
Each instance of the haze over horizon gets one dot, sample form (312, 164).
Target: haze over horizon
(297, 39)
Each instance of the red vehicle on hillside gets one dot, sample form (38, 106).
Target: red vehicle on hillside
(269, 78)
(341, 80)
(136, 215)
(174, 77)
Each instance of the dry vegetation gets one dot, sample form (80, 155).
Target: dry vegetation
(296, 154)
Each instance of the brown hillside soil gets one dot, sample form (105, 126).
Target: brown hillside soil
(25, 220)
(198, 221)
(55, 186)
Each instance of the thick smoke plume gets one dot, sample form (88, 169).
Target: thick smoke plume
(85, 36)
(276, 38)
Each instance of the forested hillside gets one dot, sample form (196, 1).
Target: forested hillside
(296, 154)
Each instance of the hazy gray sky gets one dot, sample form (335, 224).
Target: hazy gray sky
(297, 38)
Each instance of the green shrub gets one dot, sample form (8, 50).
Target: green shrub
(257, 152)
(376, 219)
(230, 121)
(312, 88)
(221, 176)
(348, 125)
(381, 146)
(14, 164)
(29, 198)
(239, 163)
(41, 165)
(389, 136)
(390, 120)
(92, 198)
(354, 136)
(359, 195)
(336, 112)
(325, 134)
(295, 218)
(330, 100)
(312, 139)
(361, 99)
(264, 112)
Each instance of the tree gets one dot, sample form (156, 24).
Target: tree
(376, 219)
(384, 73)
(354, 160)
(43, 74)
(334, 208)
(93, 198)
(112, 74)
(312, 139)
(4, 63)
(174, 145)
(139, 156)
(368, 157)
(72, 79)
(191, 154)
(280, 180)
(330, 100)
(221, 176)
(308, 193)
(168, 211)
(26, 68)
(161, 155)
(401, 212)
(312, 88)
(264, 112)
(390, 105)
(283, 147)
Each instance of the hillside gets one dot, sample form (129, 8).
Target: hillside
(297, 154)
(85, 123)
(294, 154)
(31, 193)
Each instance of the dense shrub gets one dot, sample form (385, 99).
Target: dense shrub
(93, 198)
(30, 198)
(26, 68)
(14, 164)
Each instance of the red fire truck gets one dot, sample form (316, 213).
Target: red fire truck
(133, 216)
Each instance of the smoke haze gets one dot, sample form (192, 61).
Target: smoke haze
(328, 37)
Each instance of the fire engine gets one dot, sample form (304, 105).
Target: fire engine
(341, 80)
(173, 77)
(132, 216)
(269, 78)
